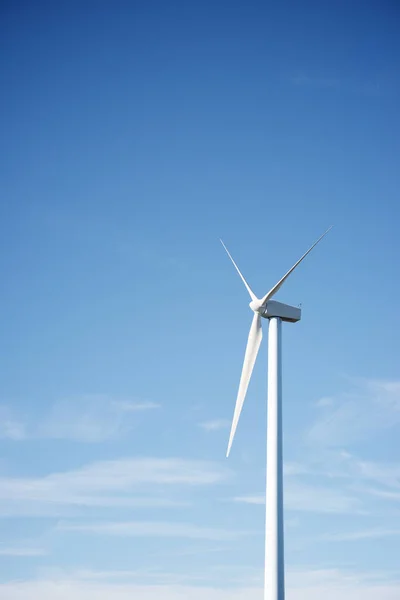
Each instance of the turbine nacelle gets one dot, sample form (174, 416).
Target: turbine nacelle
(272, 308)
(288, 313)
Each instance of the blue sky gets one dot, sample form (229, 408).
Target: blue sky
(134, 135)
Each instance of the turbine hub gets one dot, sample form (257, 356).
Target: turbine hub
(256, 306)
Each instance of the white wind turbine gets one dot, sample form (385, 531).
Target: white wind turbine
(275, 312)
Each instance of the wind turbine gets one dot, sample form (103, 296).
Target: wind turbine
(275, 312)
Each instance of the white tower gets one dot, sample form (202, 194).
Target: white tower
(275, 312)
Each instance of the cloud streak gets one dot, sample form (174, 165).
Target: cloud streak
(126, 482)
(215, 425)
(92, 418)
(312, 584)
(21, 551)
(368, 534)
(10, 427)
(86, 418)
(302, 497)
(373, 407)
(150, 529)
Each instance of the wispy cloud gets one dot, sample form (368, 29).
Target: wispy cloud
(125, 482)
(312, 584)
(295, 468)
(87, 418)
(386, 392)
(386, 495)
(91, 418)
(150, 529)
(301, 494)
(358, 475)
(215, 425)
(254, 499)
(371, 407)
(300, 497)
(21, 551)
(385, 474)
(128, 406)
(354, 536)
(331, 584)
(325, 401)
(10, 427)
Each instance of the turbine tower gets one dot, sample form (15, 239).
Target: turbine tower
(275, 312)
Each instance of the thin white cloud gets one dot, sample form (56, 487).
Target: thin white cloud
(386, 391)
(21, 551)
(331, 584)
(128, 406)
(301, 494)
(300, 497)
(372, 407)
(367, 534)
(324, 401)
(312, 584)
(386, 495)
(10, 427)
(91, 418)
(254, 499)
(122, 482)
(150, 529)
(385, 474)
(215, 425)
(88, 590)
(86, 418)
(295, 468)
(364, 477)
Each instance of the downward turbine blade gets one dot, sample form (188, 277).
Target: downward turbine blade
(252, 295)
(276, 287)
(253, 346)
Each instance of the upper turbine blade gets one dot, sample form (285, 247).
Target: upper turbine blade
(252, 295)
(276, 287)
(253, 346)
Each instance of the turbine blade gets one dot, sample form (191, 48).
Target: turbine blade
(276, 287)
(252, 295)
(253, 346)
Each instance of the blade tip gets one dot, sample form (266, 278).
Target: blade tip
(229, 449)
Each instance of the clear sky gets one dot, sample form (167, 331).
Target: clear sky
(133, 136)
